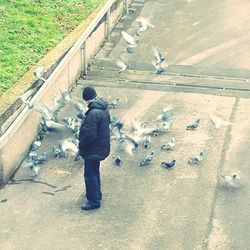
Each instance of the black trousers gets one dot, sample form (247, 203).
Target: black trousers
(92, 182)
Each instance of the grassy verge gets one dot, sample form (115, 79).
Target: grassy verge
(30, 28)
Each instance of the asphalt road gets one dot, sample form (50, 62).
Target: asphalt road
(150, 207)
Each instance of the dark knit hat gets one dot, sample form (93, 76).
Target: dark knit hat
(88, 93)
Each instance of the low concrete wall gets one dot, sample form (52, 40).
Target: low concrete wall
(16, 140)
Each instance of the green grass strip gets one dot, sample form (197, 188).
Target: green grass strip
(30, 28)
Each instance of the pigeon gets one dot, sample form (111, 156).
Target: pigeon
(231, 180)
(140, 128)
(159, 59)
(79, 106)
(164, 126)
(144, 24)
(32, 166)
(64, 98)
(169, 146)
(81, 115)
(197, 159)
(32, 155)
(49, 125)
(128, 145)
(33, 163)
(73, 124)
(46, 112)
(35, 145)
(118, 161)
(128, 38)
(39, 72)
(113, 104)
(115, 134)
(164, 117)
(59, 153)
(26, 97)
(132, 43)
(116, 124)
(218, 122)
(155, 132)
(40, 159)
(147, 142)
(122, 63)
(149, 158)
(70, 145)
(168, 165)
(193, 126)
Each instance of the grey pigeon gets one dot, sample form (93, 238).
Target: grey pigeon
(39, 72)
(147, 142)
(170, 145)
(193, 126)
(159, 59)
(197, 159)
(113, 104)
(35, 145)
(62, 100)
(58, 152)
(149, 158)
(40, 159)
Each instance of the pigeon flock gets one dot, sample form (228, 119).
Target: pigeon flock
(128, 140)
(133, 41)
(140, 136)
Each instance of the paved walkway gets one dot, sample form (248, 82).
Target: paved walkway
(151, 207)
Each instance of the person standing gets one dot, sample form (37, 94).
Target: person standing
(94, 145)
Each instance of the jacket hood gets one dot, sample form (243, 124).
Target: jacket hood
(98, 104)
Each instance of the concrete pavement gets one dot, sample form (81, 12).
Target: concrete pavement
(150, 207)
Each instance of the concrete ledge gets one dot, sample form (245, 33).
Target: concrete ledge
(20, 125)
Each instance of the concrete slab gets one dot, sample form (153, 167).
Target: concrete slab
(144, 207)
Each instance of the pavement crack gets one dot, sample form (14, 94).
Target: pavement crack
(220, 167)
(14, 181)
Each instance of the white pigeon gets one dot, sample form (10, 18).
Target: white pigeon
(129, 146)
(70, 146)
(144, 24)
(231, 180)
(129, 39)
(140, 128)
(122, 64)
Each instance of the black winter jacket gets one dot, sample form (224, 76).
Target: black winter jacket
(94, 136)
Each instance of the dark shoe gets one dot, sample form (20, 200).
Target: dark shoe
(88, 206)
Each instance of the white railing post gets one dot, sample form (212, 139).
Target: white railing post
(85, 59)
